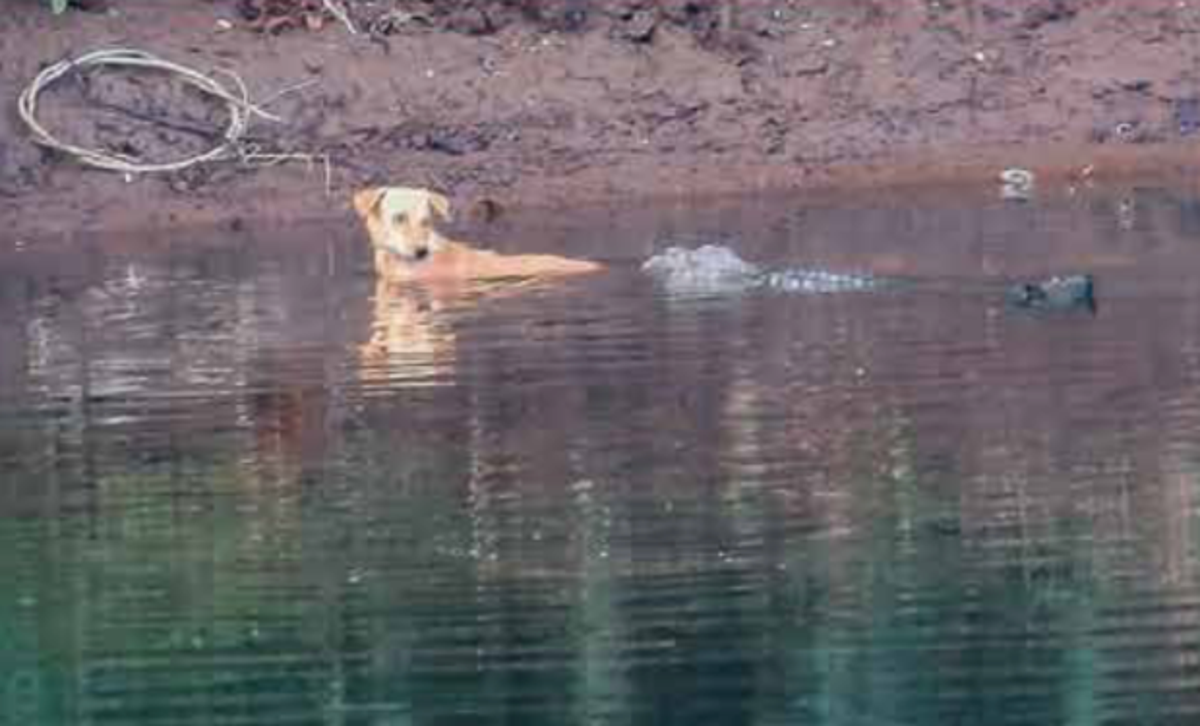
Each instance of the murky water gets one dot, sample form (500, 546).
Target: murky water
(241, 485)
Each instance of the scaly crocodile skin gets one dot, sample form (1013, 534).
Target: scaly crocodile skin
(716, 269)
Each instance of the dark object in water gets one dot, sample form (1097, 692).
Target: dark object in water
(1069, 292)
(1187, 116)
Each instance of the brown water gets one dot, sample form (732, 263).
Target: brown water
(239, 485)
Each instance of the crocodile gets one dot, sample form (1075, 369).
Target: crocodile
(715, 270)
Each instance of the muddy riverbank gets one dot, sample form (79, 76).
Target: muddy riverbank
(560, 102)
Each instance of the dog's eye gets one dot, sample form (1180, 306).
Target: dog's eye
(400, 218)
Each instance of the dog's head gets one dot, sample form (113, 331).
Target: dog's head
(401, 220)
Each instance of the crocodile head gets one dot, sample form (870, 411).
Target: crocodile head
(1068, 292)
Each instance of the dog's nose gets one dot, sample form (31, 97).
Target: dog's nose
(420, 253)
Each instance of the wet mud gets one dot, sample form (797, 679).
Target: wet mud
(507, 103)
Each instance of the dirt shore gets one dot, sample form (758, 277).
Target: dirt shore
(565, 101)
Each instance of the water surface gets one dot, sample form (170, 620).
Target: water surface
(240, 484)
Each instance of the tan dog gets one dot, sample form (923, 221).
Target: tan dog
(400, 222)
(422, 276)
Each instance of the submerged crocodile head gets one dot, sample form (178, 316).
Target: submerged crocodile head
(710, 269)
(1069, 292)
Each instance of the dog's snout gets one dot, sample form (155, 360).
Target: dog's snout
(420, 253)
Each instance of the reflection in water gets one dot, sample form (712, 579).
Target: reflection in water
(240, 485)
(411, 337)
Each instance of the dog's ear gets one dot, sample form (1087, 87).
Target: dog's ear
(366, 202)
(440, 204)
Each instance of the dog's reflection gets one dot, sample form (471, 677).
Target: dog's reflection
(415, 328)
(411, 338)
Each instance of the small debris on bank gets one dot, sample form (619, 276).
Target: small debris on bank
(278, 16)
(1016, 184)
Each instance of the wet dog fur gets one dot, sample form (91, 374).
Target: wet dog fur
(402, 224)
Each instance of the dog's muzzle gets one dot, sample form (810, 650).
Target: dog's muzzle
(417, 255)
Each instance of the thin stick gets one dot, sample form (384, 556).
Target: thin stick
(338, 11)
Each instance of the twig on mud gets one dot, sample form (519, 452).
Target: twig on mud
(250, 154)
(338, 11)
(208, 134)
(285, 91)
(231, 146)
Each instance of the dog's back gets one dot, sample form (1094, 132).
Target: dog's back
(408, 247)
